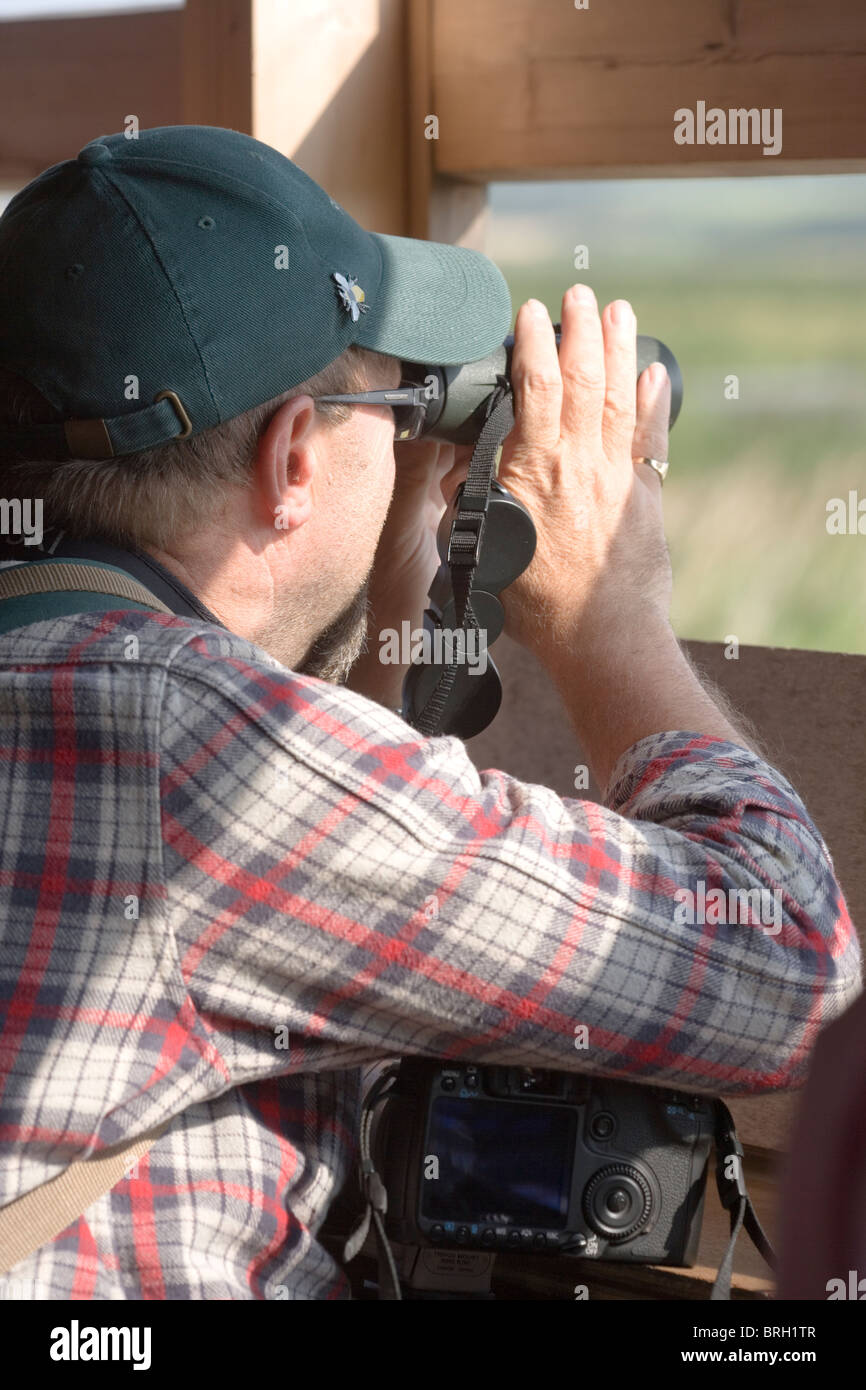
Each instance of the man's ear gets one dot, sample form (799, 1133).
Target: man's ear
(285, 464)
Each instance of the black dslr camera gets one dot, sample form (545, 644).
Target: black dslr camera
(461, 1161)
(512, 1158)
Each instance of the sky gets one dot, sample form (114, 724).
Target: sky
(62, 9)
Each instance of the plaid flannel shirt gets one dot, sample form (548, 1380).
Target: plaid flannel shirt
(224, 887)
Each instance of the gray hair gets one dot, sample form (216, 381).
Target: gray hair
(156, 495)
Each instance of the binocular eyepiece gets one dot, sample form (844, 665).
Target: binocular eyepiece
(457, 396)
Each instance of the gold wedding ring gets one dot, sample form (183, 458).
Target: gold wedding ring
(661, 466)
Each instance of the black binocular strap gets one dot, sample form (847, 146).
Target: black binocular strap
(467, 532)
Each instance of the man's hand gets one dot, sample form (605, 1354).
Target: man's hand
(593, 605)
(579, 422)
(406, 557)
(407, 547)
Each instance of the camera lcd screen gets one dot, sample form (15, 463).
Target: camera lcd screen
(500, 1164)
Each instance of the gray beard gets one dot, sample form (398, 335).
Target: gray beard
(335, 651)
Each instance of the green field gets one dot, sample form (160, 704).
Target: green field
(746, 498)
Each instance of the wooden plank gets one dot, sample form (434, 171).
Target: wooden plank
(793, 26)
(419, 105)
(808, 709)
(478, 37)
(439, 208)
(218, 63)
(534, 88)
(329, 91)
(65, 81)
(457, 213)
(516, 1280)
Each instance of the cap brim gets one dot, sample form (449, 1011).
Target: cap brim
(435, 303)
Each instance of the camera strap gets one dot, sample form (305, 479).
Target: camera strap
(466, 538)
(374, 1194)
(173, 595)
(731, 1183)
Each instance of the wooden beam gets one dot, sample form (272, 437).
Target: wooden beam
(419, 106)
(65, 81)
(457, 213)
(342, 87)
(521, 88)
(439, 208)
(218, 64)
(537, 88)
(323, 81)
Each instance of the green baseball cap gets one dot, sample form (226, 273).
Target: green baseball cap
(154, 287)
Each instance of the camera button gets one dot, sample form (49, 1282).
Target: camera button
(602, 1125)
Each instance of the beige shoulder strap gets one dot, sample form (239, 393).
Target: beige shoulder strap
(41, 1214)
(52, 576)
(36, 1218)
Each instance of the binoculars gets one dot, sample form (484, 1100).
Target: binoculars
(451, 402)
(448, 694)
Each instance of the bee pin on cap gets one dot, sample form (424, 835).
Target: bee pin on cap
(350, 294)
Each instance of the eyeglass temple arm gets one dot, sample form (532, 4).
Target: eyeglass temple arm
(404, 395)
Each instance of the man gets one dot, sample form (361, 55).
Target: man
(228, 879)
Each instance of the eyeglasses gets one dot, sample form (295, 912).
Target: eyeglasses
(408, 402)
